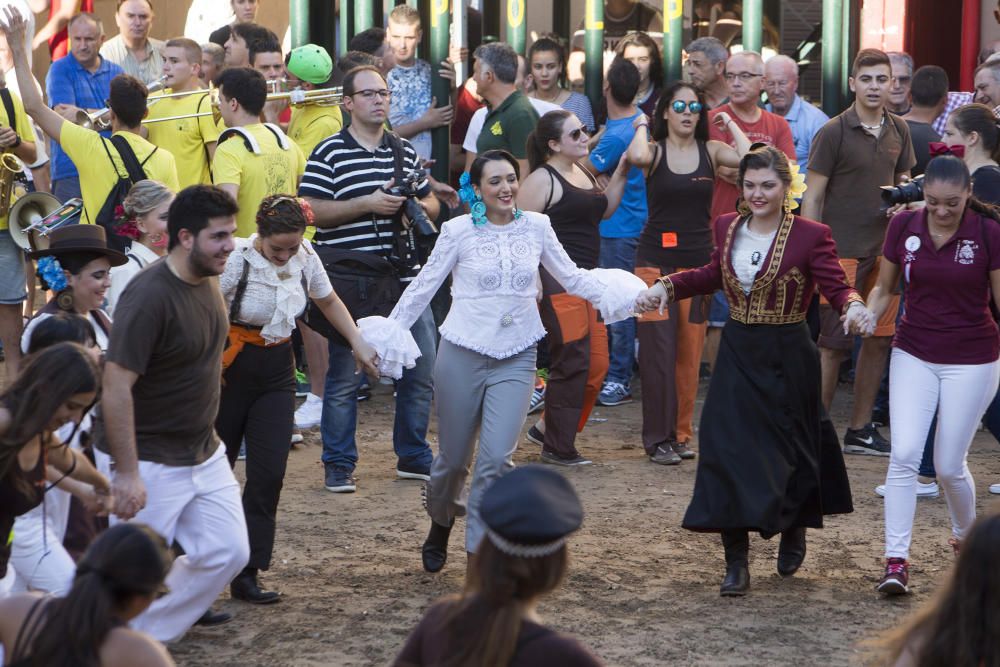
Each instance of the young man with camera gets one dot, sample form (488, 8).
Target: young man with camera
(351, 183)
(851, 156)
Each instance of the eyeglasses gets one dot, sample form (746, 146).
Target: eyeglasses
(679, 105)
(745, 77)
(575, 134)
(370, 93)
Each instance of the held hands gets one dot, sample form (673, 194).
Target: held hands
(128, 493)
(858, 320)
(654, 298)
(99, 503)
(365, 359)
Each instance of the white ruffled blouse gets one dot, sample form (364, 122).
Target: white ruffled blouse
(494, 310)
(274, 296)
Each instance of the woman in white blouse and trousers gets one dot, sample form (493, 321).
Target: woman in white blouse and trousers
(485, 368)
(266, 283)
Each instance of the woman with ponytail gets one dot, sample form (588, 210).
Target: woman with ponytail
(118, 577)
(972, 134)
(143, 219)
(945, 351)
(55, 386)
(529, 513)
(578, 342)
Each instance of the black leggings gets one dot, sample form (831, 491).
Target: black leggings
(258, 404)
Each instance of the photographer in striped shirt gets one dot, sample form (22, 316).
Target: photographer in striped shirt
(351, 182)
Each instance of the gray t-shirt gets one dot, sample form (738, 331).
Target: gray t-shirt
(172, 334)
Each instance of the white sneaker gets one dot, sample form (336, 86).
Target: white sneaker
(995, 489)
(929, 490)
(309, 413)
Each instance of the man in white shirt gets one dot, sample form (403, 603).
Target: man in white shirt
(132, 48)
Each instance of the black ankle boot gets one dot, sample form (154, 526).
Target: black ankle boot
(245, 587)
(791, 551)
(435, 550)
(737, 579)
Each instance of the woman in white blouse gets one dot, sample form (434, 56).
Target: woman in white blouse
(144, 220)
(266, 284)
(485, 368)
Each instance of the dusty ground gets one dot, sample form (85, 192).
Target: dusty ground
(641, 591)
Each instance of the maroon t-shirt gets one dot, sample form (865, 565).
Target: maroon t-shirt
(946, 317)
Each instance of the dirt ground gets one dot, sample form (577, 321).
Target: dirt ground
(640, 591)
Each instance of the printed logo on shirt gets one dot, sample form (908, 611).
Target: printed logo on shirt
(495, 129)
(965, 252)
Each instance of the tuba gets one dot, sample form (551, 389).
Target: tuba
(35, 215)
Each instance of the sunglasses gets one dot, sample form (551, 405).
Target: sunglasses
(679, 105)
(575, 134)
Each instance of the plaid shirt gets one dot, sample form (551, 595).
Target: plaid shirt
(955, 100)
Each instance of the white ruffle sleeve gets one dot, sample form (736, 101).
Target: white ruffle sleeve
(612, 291)
(395, 345)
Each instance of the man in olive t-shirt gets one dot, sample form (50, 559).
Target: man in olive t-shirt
(851, 156)
(161, 395)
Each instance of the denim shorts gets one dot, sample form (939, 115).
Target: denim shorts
(12, 283)
(718, 311)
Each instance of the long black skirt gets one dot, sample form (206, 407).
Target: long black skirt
(769, 457)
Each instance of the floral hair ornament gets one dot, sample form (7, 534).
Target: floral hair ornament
(125, 225)
(307, 211)
(468, 195)
(797, 187)
(51, 271)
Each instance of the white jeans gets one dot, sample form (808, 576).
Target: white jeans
(960, 395)
(37, 556)
(199, 507)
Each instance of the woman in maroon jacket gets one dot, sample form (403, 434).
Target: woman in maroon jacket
(770, 459)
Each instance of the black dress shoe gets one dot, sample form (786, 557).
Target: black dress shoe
(246, 588)
(434, 553)
(736, 582)
(211, 619)
(791, 551)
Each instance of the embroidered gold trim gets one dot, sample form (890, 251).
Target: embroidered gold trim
(668, 285)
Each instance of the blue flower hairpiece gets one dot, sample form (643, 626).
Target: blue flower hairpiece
(51, 271)
(465, 191)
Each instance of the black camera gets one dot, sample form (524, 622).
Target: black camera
(905, 193)
(411, 207)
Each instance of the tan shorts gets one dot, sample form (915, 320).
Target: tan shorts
(862, 274)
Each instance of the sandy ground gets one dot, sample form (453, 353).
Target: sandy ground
(641, 591)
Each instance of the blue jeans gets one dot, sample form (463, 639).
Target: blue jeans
(413, 405)
(991, 420)
(620, 254)
(65, 189)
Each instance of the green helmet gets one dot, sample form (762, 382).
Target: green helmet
(311, 63)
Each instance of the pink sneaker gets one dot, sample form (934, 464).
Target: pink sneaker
(896, 578)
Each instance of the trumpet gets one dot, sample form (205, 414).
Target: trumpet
(99, 119)
(324, 97)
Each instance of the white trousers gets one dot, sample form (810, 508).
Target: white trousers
(960, 395)
(199, 507)
(38, 557)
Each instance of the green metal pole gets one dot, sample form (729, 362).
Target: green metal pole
(440, 87)
(491, 20)
(833, 16)
(517, 29)
(364, 15)
(673, 36)
(593, 48)
(753, 25)
(848, 49)
(298, 19)
(344, 26)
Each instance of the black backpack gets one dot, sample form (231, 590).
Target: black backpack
(106, 216)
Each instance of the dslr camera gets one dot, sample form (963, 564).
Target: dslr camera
(904, 193)
(411, 207)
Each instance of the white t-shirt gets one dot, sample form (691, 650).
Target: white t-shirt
(139, 257)
(479, 119)
(102, 337)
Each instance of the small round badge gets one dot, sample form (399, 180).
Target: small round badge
(913, 243)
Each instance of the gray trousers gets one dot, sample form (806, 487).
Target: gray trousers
(473, 392)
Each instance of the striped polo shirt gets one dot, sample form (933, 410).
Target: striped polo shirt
(341, 169)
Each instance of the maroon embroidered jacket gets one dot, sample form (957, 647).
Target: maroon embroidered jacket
(802, 257)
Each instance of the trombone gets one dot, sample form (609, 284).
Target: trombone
(323, 97)
(99, 119)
